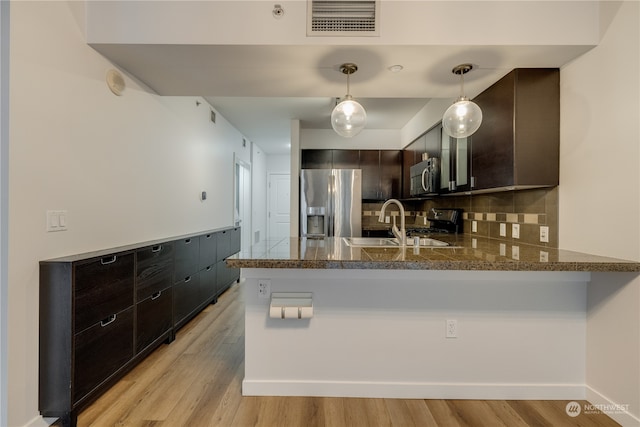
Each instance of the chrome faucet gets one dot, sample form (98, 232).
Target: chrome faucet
(401, 234)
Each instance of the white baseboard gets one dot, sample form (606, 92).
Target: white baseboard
(39, 421)
(619, 412)
(414, 390)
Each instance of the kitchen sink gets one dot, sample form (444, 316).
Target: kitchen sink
(388, 242)
(372, 242)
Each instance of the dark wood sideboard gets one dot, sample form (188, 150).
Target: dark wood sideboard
(102, 312)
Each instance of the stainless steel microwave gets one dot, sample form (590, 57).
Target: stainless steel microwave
(425, 177)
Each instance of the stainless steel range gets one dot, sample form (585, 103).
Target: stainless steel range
(441, 221)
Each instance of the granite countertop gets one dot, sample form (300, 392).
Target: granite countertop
(465, 253)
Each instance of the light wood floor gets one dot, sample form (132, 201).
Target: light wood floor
(196, 382)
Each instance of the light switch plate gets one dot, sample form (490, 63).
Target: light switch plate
(57, 221)
(503, 229)
(474, 226)
(544, 234)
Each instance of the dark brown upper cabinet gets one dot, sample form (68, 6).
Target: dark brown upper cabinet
(518, 143)
(316, 159)
(346, 159)
(381, 169)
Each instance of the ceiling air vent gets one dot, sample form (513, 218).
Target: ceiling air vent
(343, 17)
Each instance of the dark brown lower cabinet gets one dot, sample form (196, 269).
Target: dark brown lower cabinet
(186, 299)
(208, 284)
(102, 312)
(101, 350)
(154, 318)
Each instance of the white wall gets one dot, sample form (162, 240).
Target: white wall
(599, 173)
(127, 169)
(279, 163)
(381, 333)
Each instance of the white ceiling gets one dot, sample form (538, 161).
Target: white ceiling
(259, 89)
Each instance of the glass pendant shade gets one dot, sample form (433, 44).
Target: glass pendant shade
(462, 119)
(348, 118)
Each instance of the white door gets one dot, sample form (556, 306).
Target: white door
(242, 201)
(279, 205)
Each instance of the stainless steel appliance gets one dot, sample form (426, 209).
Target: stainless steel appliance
(425, 177)
(441, 221)
(330, 203)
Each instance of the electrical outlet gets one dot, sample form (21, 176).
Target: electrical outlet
(387, 219)
(452, 329)
(544, 234)
(503, 229)
(515, 252)
(544, 256)
(264, 288)
(515, 231)
(474, 226)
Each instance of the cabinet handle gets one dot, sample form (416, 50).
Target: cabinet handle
(108, 260)
(208, 268)
(187, 279)
(187, 241)
(156, 248)
(208, 236)
(108, 320)
(156, 295)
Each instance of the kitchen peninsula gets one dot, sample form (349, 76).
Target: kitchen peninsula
(481, 319)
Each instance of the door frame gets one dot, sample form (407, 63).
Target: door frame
(246, 227)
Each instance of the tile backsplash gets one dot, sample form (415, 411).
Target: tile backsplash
(528, 208)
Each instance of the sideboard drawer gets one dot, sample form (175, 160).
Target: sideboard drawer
(154, 269)
(103, 286)
(101, 350)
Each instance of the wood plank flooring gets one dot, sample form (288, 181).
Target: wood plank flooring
(196, 382)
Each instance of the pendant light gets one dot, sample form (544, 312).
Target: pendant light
(464, 117)
(348, 118)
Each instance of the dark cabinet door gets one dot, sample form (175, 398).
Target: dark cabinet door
(103, 286)
(492, 160)
(208, 250)
(154, 269)
(186, 297)
(223, 241)
(234, 241)
(153, 318)
(370, 165)
(518, 141)
(208, 283)
(390, 174)
(316, 159)
(345, 159)
(186, 258)
(101, 350)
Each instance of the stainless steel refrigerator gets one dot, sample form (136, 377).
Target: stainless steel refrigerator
(330, 203)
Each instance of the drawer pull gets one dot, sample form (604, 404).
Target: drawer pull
(187, 279)
(208, 268)
(156, 248)
(156, 295)
(108, 260)
(108, 320)
(186, 242)
(208, 236)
